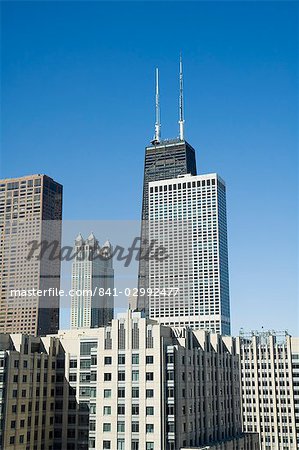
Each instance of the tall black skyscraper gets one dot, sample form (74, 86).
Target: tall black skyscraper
(164, 159)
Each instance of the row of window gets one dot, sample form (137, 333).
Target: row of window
(149, 359)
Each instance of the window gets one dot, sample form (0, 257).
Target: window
(108, 360)
(120, 444)
(107, 376)
(149, 376)
(121, 410)
(85, 347)
(121, 427)
(121, 359)
(135, 445)
(135, 375)
(149, 410)
(149, 393)
(135, 358)
(149, 427)
(135, 427)
(73, 363)
(84, 377)
(85, 364)
(149, 359)
(13, 424)
(106, 426)
(135, 392)
(107, 410)
(121, 375)
(135, 410)
(73, 377)
(149, 446)
(12, 440)
(107, 393)
(107, 445)
(121, 392)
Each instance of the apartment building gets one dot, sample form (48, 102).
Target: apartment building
(269, 364)
(133, 384)
(141, 385)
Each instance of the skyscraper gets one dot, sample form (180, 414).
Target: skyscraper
(164, 159)
(187, 217)
(30, 210)
(92, 284)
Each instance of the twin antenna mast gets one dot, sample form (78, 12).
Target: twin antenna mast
(157, 136)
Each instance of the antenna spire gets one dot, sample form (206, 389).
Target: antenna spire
(181, 102)
(156, 139)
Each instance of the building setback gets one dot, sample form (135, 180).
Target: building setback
(92, 284)
(30, 210)
(269, 364)
(190, 287)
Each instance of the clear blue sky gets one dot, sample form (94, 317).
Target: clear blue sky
(77, 104)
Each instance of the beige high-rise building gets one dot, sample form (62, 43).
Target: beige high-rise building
(142, 385)
(270, 388)
(30, 215)
(132, 385)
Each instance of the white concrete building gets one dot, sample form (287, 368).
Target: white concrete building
(134, 384)
(270, 388)
(140, 385)
(187, 217)
(92, 284)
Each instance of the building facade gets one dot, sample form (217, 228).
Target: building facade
(28, 372)
(189, 287)
(134, 384)
(30, 222)
(92, 284)
(163, 160)
(270, 388)
(140, 385)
